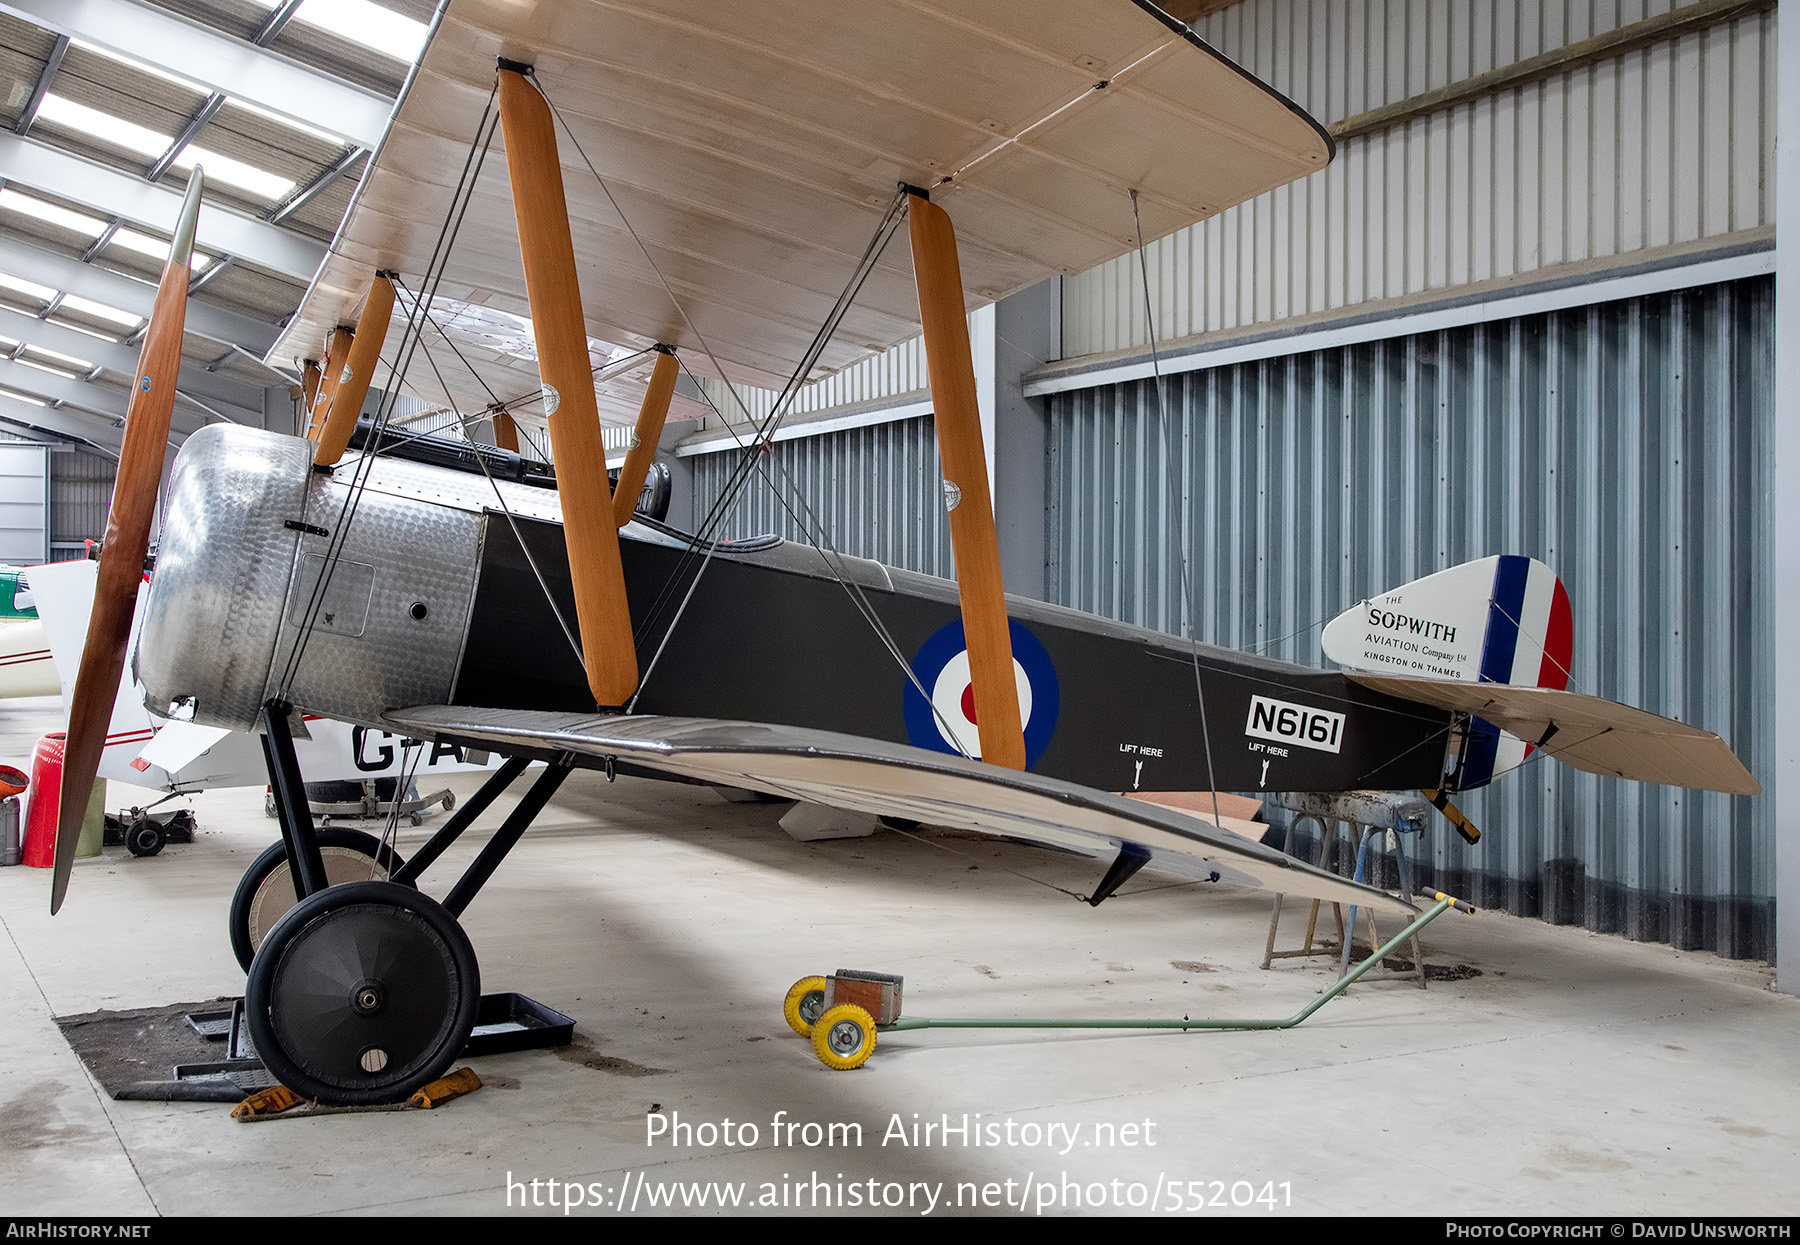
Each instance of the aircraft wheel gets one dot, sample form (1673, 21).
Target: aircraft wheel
(144, 837)
(266, 891)
(844, 1038)
(803, 1004)
(362, 994)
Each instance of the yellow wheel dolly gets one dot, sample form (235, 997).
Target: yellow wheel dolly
(843, 1013)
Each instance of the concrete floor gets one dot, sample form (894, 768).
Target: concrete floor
(1577, 1074)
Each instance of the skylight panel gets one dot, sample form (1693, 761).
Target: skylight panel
(359, 21)
(82, 328)
(39, 365)
(19, 285)
(115, 131)
(100, 311)
(57, 356)
(118, 132)
(51, 213)
(259, 182)
(299, 127)
(156, 248)
(154, 71)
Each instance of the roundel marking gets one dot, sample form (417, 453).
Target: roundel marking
(948, 718)
(144, 384)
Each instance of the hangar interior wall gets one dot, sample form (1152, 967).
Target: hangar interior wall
(1656, 148)
(1626, 444)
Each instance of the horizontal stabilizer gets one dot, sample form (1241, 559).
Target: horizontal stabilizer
(1587, 732)
(873, 776)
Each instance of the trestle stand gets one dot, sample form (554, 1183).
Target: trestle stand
(1330, 846)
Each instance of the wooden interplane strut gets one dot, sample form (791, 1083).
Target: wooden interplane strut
(506, 432)
(638, 458)
(560, 330)
(357, 371)
(964, 461)
(337, 352)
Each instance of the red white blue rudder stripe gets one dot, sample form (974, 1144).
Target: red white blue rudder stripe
(1502, 619)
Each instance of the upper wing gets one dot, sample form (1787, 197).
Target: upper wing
(872, 776)
(755, 145)
(1588, 732)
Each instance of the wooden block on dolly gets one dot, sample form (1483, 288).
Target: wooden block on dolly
(876, 993)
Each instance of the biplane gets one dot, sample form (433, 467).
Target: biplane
(762, 192)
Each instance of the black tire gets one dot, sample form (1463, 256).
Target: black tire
(362, 994)
(255, 912)
(349, 791)
(144, 837)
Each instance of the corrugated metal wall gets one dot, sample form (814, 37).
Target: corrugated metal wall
(876, 491)
(81, 486)
(1626, 444)
(1659, 146)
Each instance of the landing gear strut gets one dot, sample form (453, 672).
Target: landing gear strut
(364, 989)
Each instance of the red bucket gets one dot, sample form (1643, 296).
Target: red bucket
(46, 791)
(12, 781)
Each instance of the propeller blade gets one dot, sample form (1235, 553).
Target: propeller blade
(127, 541)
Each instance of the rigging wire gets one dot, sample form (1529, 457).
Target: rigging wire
(513, 523)
(1191, 607)
(851, 589)
(917, 838)
(740, 476)
(410, 339)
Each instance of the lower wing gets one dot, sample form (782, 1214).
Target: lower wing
(885, 779)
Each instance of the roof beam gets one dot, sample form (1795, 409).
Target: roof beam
(317, 186)
(216, 61)
(206, 112)
(70, 275)
(73, 425)
(197, 385)
(52, 63)
(277, 21)
(103, 401)
(113, 193)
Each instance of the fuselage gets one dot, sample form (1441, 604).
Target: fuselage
(448, 588)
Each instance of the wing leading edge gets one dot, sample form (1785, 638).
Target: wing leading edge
(872, 776)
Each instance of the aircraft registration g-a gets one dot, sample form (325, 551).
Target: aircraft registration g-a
(763, 195)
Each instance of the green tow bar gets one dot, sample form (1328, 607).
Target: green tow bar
(1444, 903)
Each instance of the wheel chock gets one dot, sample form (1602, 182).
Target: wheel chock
(454, 1085)
(266, 1102)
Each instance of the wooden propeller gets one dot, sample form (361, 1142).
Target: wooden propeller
(127, 541)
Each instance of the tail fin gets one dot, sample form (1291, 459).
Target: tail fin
(1502, 619)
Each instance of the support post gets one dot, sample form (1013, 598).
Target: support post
(560, 329)
(337, 351)
(972, 539)
(358, 370)
(651, 416)
(1781, 514)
